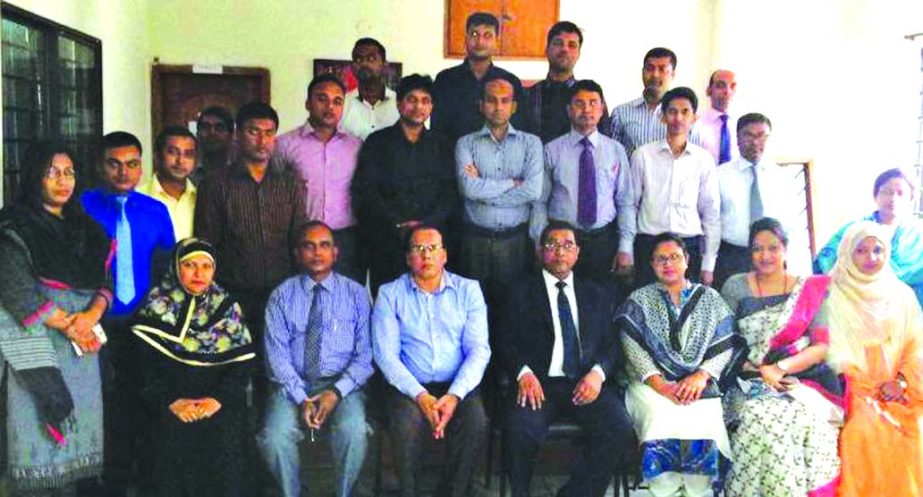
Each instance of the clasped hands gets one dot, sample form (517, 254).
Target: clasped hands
(531, 394)
(317, 409)
(437, 411)
(191, 410)
(685, 391)
(77, 327)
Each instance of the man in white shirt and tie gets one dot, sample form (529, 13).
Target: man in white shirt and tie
(714, 129)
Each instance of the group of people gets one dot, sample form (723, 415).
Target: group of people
(173, 334)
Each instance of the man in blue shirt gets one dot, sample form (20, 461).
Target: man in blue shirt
(319, 356)
(430, 342)
(142, 232)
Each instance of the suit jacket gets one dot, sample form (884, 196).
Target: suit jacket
(527, 333)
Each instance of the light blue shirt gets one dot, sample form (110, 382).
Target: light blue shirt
(493, 200)
(346, 351)
(561, 189)
(634, 124)
(435, 337)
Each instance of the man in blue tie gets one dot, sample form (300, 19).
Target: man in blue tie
(558, 345)
(142, 233)
(715, 129)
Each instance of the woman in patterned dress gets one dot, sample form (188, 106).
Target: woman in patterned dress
(784, 409)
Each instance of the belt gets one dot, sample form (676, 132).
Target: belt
(593, 233)
(473, 229)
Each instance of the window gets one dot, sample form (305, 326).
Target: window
(52, 90)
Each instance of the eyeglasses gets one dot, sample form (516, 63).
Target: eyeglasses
(53, 173)
(668, 259)
(426, 248)
(567, 246)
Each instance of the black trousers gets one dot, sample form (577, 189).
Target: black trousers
(732, 259)
(352, 258)
(644, 249)
(607, 431)
(464, 438)
(597, 251)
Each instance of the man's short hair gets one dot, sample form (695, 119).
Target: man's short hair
(414, 82)
(256, 110)
(563, 27)
(556, 225)
(325, 78)
(586, 85)
(751, 118)
(482, 19)
(309, 225)
(422, 227)
(373, 42)
(180, 131)
(659, 53)
(119, 139)
(679, 92)
(219, 112)
(496, 77)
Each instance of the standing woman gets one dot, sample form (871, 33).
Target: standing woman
(876, 327)
(195, 366)
(54, 289)
(785, 408)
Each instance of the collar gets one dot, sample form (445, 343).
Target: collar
(327, 283)
(446, 281)
(552, 280)
(568, 82)
(307, 131)
(663, 146)
(574, 137)
(157, 188)
(355, 95)
(239, 171)
(640, 102)
(485, 131)
(712, 115)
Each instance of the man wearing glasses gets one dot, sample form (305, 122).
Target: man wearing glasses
(430, 342)
(557, 342)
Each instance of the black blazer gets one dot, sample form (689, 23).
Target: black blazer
(526, 334)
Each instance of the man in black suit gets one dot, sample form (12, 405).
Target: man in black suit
(558, 341)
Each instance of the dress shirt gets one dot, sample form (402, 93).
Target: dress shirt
(492, 200)
(706, 132)
(250, 224)
(398, 180)
(152, 238)
(422, 337)
(181, 210)
(634, 124)
(680, 195)
(562, 181)
(325, 169)
(735, 179)
(545, 112)
(456, 92)
(345, 348)
(361, 118)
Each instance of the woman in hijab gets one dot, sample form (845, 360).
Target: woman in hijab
(54, 289)
(875, 333)
(194, 357)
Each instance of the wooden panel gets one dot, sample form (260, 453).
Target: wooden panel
(799, 188)
(456, 12)
(523, 26)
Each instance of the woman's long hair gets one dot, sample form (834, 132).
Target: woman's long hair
(35, 167)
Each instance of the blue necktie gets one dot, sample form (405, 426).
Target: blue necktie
(586, 191)
(724, 153)
(313, 338)
(568, 334)
(125, 276)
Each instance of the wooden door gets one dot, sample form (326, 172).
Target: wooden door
(181, 92)
(523, 26)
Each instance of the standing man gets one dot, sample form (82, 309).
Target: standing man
(371, 106)
(546, 102)
(174, 163)
(457, 90)
(430, 342)
(640, 121)
(142, 232)
(674, 187)
(714, 129)
(405, 179)
(586, 183)
(499, 172)
(558, 342)
(751, 188)
(319, 354)
(215, 131)
(324, 160)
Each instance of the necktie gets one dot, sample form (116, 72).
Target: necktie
(756, 200)
(724, 154)
(586, 200)
(313, 338)
(568, 334)
(125, 275)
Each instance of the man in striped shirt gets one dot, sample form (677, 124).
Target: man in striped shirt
(638, 122)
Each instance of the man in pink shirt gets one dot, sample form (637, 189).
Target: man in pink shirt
(324, 160)
(715, 129)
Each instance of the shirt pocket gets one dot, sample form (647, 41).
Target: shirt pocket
(341, 342)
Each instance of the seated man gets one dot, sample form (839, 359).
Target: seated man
(558, 341)
(430, 342)
(319, 357)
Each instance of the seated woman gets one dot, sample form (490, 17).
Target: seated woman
(678, 339)
(53, 291)
(875, 330)
(785, 408)
(895, 194)
(194, 365)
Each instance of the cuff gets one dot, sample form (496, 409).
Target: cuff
(627, 245)
(714, 375)
(708, 262)
(524, 371)
(297, 395)
(599, 369)
(40, 315)
(344, 386)
(647, 375)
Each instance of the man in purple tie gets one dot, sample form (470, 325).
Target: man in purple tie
(585, 184)
(715, 129)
